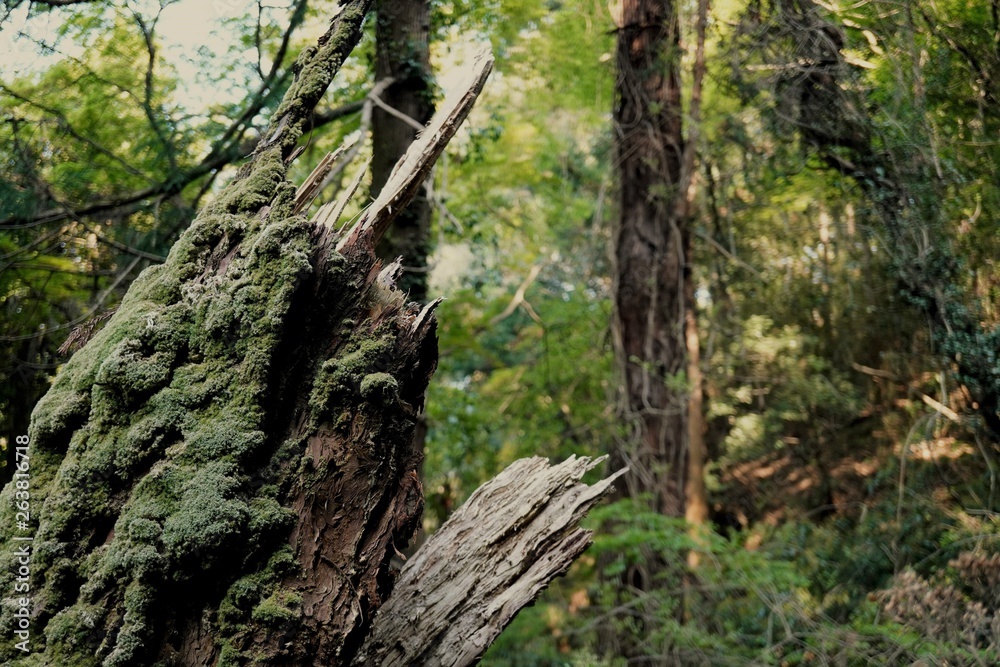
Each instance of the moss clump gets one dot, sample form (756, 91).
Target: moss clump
(345, 373)
(218, 435)
(70, 634)
(132, 374)
(251, 592)
(282, 606)
(380, 387)
(209, 518)
(249, 194)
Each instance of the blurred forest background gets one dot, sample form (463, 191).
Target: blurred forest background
(842, 216)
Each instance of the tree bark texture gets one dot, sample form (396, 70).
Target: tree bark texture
(491, 558)
(695, 493)
(402, 53)
(651, 252)
(651, 272)
(222, 474)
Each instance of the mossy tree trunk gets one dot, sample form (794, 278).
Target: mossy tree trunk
(201, 422)
(222, 475)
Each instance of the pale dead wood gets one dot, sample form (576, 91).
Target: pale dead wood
(938, 406)
(941, 408)
(491, 558)
(413, 168)
(329, 214)
(312, 185)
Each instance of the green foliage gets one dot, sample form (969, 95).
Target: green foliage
(812, 285)
(749, 601)
(787, 389)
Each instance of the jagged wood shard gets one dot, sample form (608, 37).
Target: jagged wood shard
(491, 558)
(414, 167)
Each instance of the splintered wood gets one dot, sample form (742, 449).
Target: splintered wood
(491, 558)
(414, 167)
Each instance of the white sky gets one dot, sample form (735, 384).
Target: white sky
(182, 29)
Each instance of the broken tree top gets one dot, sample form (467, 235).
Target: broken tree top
(222, 474)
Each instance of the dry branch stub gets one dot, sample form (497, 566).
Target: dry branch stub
(493, 556)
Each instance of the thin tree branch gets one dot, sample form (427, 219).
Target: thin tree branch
(518, 299)
(224, 151)
(147, 101)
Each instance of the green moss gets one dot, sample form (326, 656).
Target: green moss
(345, 373)
(282, 606)
(257, 189)
(209, 518)
(54, 418)
(229, 656)
(226, 432)
(283, 203)
(249, 592)
(267, 519)
(380, 387)
(70, 634)
(132, 374)
(134, 639)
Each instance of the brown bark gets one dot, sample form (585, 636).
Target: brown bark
(402, 53)
(650, 269)
(651, 251)
(696, 495)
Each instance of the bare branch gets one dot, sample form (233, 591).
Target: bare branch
(518, 299)
(147, 101)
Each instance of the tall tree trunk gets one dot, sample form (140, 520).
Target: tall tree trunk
(402, 53)
(650, 265)
(696, 495)
(651, 251)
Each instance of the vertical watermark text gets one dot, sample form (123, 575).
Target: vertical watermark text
(23, 537)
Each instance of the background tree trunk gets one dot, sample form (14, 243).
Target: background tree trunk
(651, 249)
(651, 293)
(402, 53)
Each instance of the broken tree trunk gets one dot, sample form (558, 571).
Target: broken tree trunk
(223, 473)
